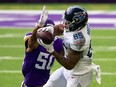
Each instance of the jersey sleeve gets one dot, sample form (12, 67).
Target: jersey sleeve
(26, 37)
(80, 41)
(58, 46)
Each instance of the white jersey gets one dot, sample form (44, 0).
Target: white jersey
(81, 74)
(79, 41)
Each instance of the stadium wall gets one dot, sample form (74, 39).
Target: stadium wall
(58, 1)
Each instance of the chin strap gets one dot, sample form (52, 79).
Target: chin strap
(97, 70)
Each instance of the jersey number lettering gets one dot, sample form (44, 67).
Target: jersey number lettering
(45, 63)
(78, 35)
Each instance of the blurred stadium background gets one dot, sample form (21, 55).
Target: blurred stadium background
(18, 17)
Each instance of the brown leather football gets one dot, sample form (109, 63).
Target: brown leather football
(45, 36)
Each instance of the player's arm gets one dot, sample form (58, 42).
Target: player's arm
(32, 41)
(58, 29)
(69, 61)
(62, 52)
(72, 58)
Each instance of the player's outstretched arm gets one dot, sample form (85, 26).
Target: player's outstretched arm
(56, 30)
(32, 42)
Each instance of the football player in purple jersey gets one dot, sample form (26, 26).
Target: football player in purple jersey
(38, 61)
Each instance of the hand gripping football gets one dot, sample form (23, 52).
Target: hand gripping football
(45, 36)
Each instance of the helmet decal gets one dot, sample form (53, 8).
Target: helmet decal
(78, 17)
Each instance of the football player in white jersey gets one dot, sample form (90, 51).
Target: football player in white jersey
(76, 70)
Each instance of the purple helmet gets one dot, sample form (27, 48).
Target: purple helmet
(49, 22)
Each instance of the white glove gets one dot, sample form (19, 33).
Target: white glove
(49, 47)
(43, 17)
(49, 29)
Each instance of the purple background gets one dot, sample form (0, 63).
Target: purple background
(26, 20)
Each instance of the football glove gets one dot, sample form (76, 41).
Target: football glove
(43, 17)
(49, 29)
(49, 47)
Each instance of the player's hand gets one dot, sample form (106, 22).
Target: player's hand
(49, 29)
(55, 30)
(49, 47)
(43, 17)
(59, 29)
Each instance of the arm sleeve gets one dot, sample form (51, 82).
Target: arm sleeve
(58, 45)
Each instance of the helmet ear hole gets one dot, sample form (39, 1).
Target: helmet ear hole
(77, 16)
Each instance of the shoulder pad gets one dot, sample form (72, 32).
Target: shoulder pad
(27, 36)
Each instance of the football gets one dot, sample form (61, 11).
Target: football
(45, 36)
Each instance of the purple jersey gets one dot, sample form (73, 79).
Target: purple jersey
(37, 64)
